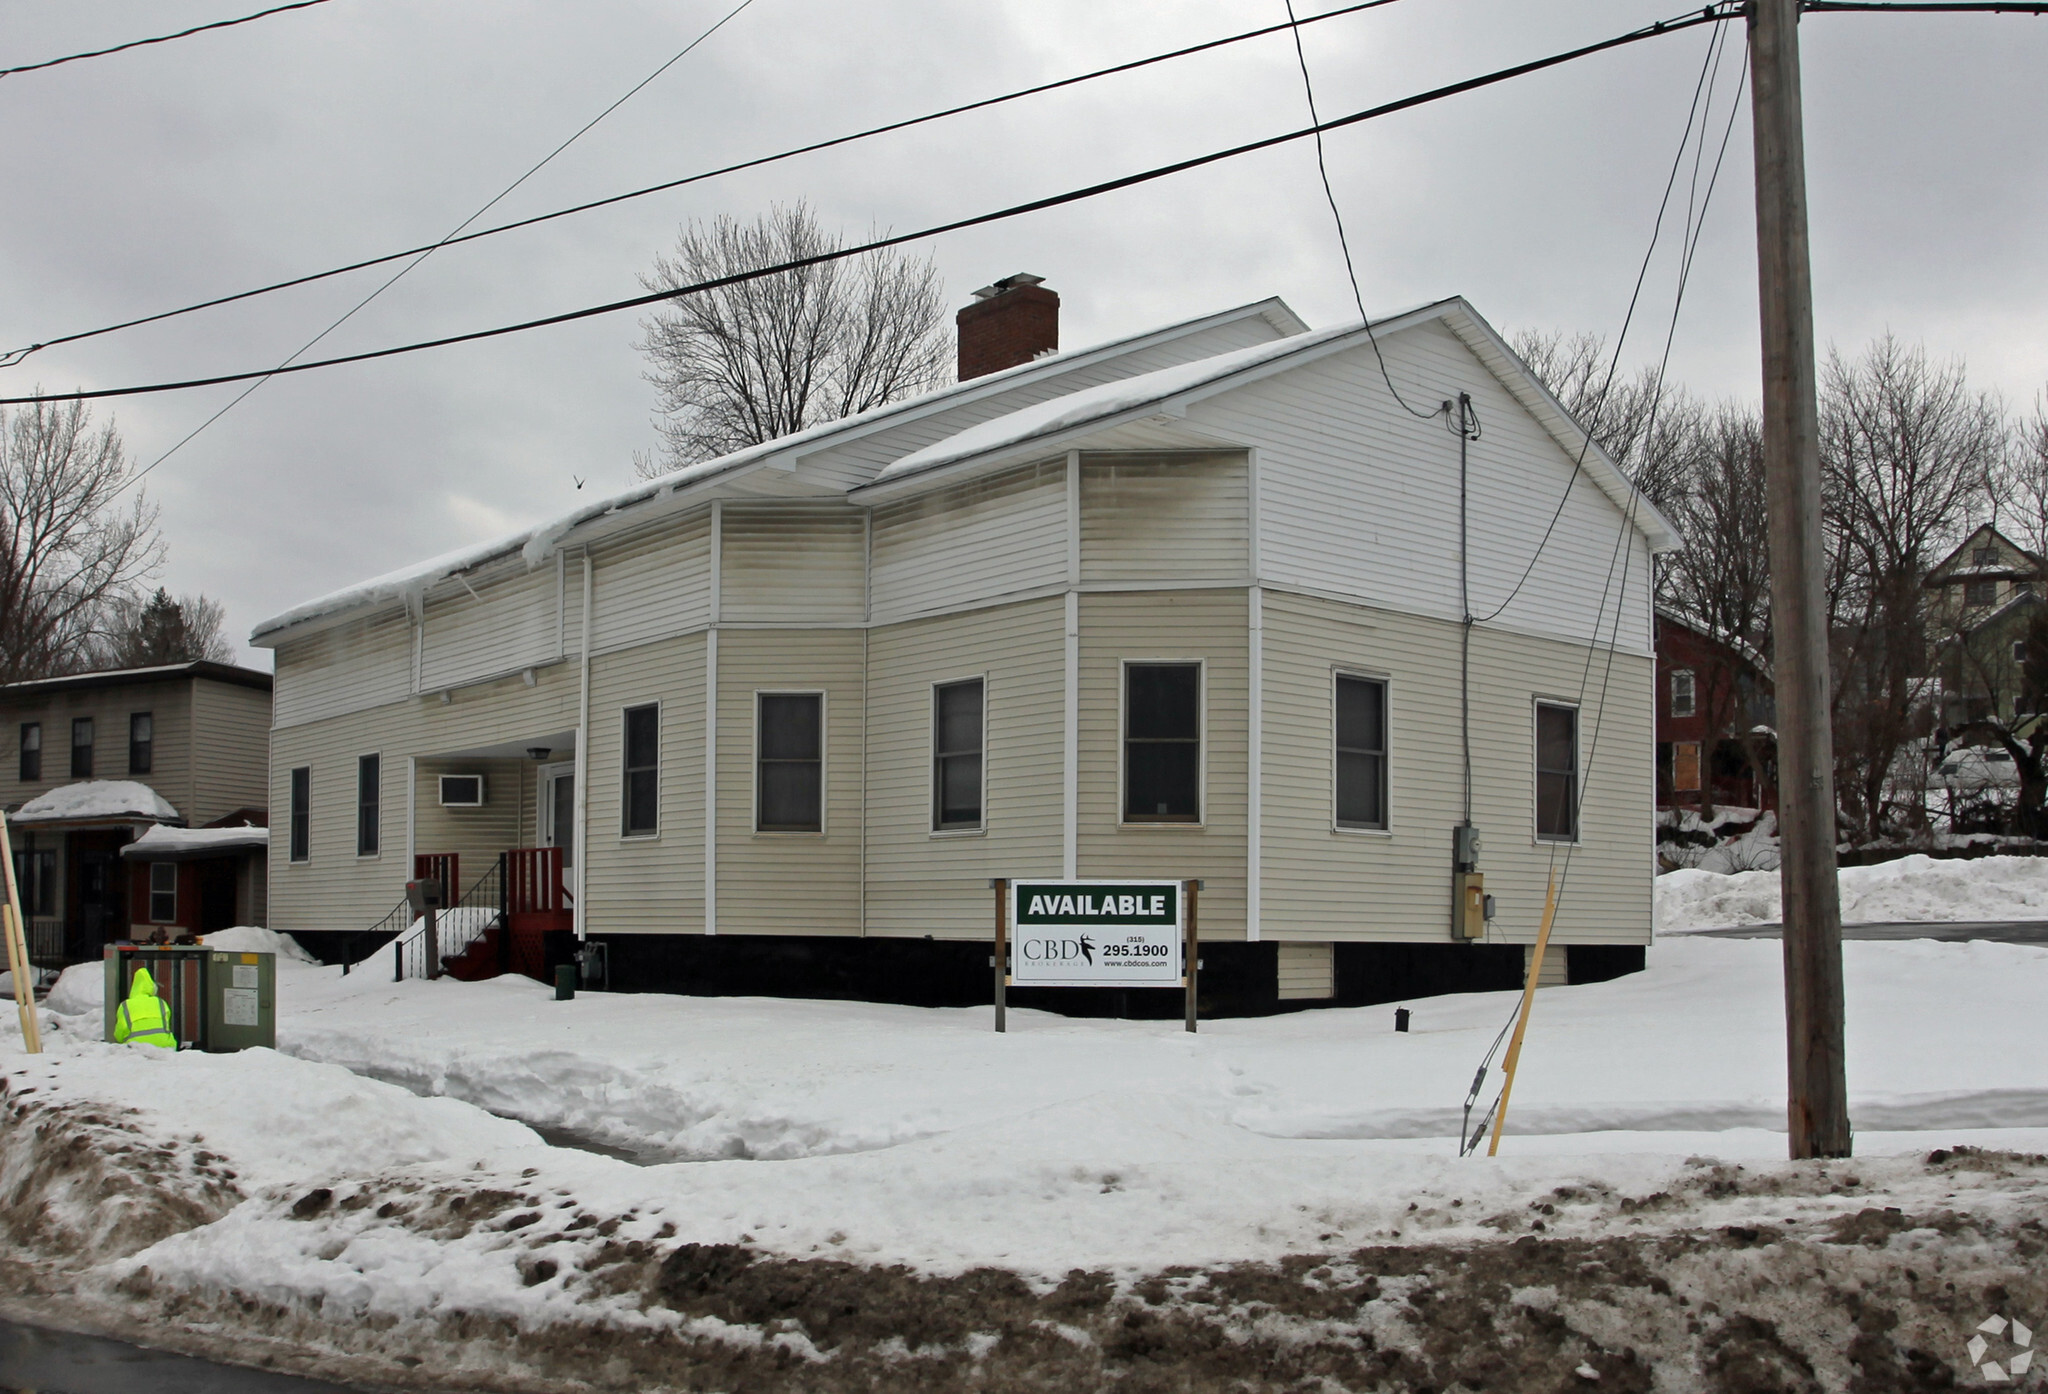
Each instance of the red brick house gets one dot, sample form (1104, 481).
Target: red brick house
(1715, 742)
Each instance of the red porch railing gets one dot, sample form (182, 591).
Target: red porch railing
(445, 867)
(533, 881)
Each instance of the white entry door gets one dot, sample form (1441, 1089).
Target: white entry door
(558, 810)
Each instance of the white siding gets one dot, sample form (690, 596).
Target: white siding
(363, 663)
(648, 884)
(1002, 535)
(1307, 972)
(507, 625)
(792, 563)
(1321, 883)
(1361, 499)
(1165, 518)
(653, 586)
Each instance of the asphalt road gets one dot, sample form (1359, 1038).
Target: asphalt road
(1954, 931)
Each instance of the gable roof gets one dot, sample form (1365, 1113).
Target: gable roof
(538, 542)
(1168, 391)
(1946, 570)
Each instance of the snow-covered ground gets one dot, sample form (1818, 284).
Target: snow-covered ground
(358, 1175)
(1915, 888)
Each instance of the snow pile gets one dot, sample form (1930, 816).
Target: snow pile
(1910, 889)
(1734, 840)
(96, 798)
(253, 939)
(79, 989)
(167, 843)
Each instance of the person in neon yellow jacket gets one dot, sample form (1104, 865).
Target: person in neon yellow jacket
(145, 1018)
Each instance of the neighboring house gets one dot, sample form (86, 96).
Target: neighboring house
(1716, 743)
(100, 759)
(1982, 599)
(1184, 604)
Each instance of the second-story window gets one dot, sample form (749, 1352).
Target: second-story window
(369, 771)
(1984, 556)
(1682, 699)
(81, 747)
(141, 742)
(31, 751)
(1979, 593)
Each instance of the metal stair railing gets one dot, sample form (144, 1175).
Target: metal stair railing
(456, 927)
(380, 933)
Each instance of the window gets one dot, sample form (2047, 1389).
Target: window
(1682, 692)
(163, 892)
(1984, 556)
(302, 814)
(956, 755)
(35, 877)
(1163, 743)
(790, 751)
(641, 789)
(462, 791)
(2019, 652)
(1557, 773)
(1685, 766)
(1361, 753)
(31, 751)
(141, 741)
(1980, 592)
(368, 770)
(81, 747)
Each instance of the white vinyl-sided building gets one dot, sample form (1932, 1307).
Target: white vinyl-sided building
(1186, 604)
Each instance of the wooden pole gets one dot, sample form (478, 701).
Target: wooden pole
(1507, 1084)
(1001, 959)
(1818, 1112)
(1191, 964)
(17, 949)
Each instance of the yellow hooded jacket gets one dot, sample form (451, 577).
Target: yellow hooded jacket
(145, 1018)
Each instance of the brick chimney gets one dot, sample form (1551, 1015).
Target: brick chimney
(1011, 322)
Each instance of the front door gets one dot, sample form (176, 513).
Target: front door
(100, 903)
(558, 810)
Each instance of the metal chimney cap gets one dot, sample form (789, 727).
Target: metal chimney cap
(1022, 278)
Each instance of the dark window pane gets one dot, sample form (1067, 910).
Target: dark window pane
(789, 796)
(1162, 782)
(641, 790)
(959, 718)
(790, 725)
(302, 813)
(141, 741)
(960, 791)
(31, 751)
(1361, 714)
(368, 769)
(1557, 779)
(1359, 784)
(1164, 702)
(81, 747)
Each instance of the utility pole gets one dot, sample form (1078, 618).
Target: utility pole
(1819, 1102)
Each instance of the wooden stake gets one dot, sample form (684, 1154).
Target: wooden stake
(1001, 960)
(17, 950)
(1815, 1059)
(1192, 948)
(1507, 1086)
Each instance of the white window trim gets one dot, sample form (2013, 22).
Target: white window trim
(660, 735)
(1386, 682)
(357, 821)
(172, 918)
(931, 764)
(824, 764)
(1123, 695)
(1536, 837)
(1693, 691)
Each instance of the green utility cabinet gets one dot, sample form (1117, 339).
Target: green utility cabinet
(220, 999)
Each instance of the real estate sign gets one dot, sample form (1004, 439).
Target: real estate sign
(1097, 933)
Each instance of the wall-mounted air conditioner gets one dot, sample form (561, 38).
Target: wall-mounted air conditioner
(462, 791)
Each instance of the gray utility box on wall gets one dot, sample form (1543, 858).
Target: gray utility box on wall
(220, 999)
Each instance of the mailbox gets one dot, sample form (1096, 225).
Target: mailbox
(424, 895)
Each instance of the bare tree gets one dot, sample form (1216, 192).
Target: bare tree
(1644, 424)
(68, 547)
(145, 633)
(1908, 452)
(748, 362)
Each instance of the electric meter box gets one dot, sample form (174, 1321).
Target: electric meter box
(220, 999)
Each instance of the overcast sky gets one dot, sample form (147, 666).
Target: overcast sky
(171, 173)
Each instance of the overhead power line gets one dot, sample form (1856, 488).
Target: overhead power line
(1933, 7)
(14, 356)
(1712, 14)
(160, 39)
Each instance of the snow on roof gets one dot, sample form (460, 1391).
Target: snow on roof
(164, 844)
(1098, 403)
(537, 543)
(97, 798)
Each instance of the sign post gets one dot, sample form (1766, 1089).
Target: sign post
(1192, 954)
(18, 962)
(1000, 961)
